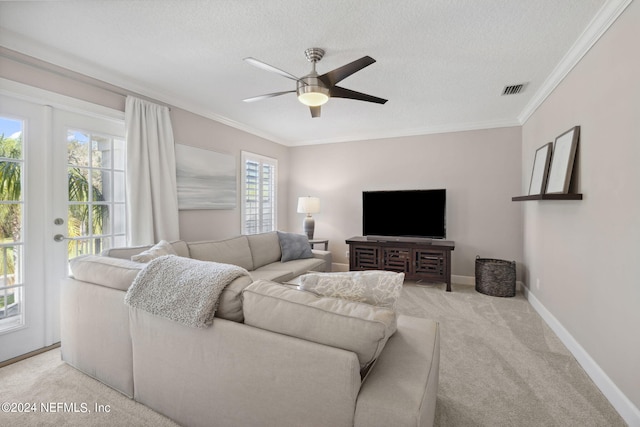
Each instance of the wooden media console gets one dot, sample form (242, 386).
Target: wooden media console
(418, 259)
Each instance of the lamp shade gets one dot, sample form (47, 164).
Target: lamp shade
(308, 205)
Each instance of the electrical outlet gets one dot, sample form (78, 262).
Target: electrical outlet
(347, 254)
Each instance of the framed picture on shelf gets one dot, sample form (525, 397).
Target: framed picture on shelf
(540, 170)
(564, 153)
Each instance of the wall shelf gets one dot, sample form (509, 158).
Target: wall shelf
(570, 196)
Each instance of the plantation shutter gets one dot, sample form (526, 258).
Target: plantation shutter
(259, 193)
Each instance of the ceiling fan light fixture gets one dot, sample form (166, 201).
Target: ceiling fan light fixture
(314, 90)
(313, 96)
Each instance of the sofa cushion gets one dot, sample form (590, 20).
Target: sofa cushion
(294, 246)
(114, 273)
(268, 272)
(159, 249)
(231, 251)
(282, 272)
(302, 266)
(265, 248)
(230, 301)
(179, 246)
(361, 328)
(380, 288)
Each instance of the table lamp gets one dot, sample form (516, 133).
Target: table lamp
(308, 205)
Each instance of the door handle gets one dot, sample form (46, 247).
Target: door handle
(60, 238)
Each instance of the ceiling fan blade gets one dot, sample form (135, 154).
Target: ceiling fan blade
(340, 92)
(268, 95)
(341, 73)
(315, 111)
(271, 68)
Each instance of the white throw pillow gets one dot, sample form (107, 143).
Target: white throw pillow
(379, 288)
(160, 249)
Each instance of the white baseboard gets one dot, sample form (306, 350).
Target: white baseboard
(471, 281)
(339, 267)
(627, 410)
(463, 280)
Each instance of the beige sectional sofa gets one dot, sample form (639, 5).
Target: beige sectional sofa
(260, 254)
(274, 355)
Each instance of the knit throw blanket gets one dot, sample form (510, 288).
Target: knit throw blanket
(181, 289)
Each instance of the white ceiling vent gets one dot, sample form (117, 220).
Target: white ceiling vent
(513, 89)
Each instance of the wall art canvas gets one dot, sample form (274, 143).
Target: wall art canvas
(564, 153)
(206, 179)
(540, 169)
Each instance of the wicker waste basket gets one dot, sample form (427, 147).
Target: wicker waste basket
(495, 277)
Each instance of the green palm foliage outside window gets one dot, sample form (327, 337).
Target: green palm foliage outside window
(80, 190)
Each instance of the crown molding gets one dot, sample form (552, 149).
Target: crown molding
(427, 130)
(600, 23)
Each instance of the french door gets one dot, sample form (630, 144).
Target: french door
(61, 196)
(23, 154)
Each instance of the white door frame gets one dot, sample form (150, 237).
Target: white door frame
(41, 217)
(30, 334)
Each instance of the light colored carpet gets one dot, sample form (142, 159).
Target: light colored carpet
(500, 366)
(45, 379)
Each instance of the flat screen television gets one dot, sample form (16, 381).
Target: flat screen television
(404, 213)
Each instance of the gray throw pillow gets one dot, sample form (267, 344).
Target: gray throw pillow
(294, 246)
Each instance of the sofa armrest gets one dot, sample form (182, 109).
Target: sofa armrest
(232, 374)
(402, 386)
(94, 332)
(325, 256)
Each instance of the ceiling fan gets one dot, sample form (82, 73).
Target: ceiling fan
(315, 90)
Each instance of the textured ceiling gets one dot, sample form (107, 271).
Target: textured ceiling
(442, 64)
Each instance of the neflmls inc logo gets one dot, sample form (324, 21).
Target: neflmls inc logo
(67, 407)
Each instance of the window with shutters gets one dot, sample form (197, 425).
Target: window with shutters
(259, 182)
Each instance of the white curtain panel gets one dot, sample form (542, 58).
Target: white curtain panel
(152, 194)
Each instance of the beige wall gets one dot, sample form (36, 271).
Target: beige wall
(480, 170)
(197, 131)
(579, 259)
(189, 129)
(582, 257)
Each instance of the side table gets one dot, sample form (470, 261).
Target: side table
(313, 242)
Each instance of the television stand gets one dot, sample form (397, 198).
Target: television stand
(428, 260)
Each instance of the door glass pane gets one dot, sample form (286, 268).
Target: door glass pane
(119, 154)
(78, 148)
(11, 223)
(101, 219)
(96, 181)
(100, 152)
(118, 224)
(118, 187)
(97, 187)
(78, 184)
